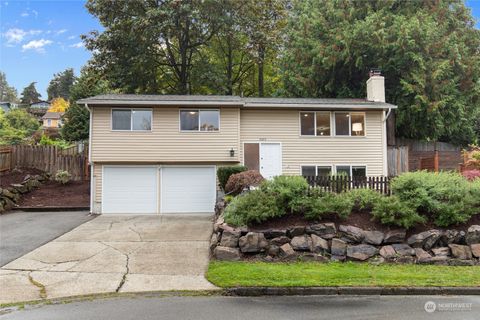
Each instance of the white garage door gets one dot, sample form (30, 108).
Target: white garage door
(130, 190)
(188, 189)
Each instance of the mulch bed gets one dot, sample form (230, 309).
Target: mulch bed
(16, 176)
(362, 220)
(54, 194)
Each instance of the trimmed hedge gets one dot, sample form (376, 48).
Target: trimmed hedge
(224, 173)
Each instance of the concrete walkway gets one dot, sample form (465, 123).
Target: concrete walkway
(114, 254)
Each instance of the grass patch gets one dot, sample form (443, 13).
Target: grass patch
(310, 274)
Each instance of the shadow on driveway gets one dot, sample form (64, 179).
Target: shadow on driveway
(21, 232)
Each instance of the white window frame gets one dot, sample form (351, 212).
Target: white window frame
(316, 168)
(351, 166)
(314, 124)
(350, 123)
(199, 112)
(131, 119)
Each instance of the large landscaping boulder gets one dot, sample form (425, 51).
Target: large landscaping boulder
(395, 236)
(226, 253)
(473, 235)
(452, 236)
(460, 251)
(301, 243)
(361, 252)
(323, 230)
(422, 255)
(230, 238)
(339, 247)
(286, 252)
(279, 241)
(388, 252)
(319, 245)
(351, 233)
(475, 248)
(274, 233)
(403, 249)
(253, 242)
(441, 251)
(425, 240)
(296, 231)
(373, 237)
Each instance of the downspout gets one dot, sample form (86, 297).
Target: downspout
(92, 178)
(385, 148)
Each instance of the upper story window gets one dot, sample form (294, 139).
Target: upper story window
(315, 123)
(349, 123)
(199, 120)
(132, 119)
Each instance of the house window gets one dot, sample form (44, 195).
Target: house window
(316, 171)
(352, 171)
(349, 124)
(132, 119)
(49, 123)
(199, 120)
(315, 123)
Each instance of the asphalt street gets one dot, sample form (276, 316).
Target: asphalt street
(21, 232)
(156, 307)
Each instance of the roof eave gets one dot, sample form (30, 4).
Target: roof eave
(158, 103)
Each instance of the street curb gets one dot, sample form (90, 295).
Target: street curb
(308, 291)
(44, 209)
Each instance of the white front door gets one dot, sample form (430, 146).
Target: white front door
(188, 189)
(270, 160)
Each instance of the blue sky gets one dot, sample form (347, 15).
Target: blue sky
(40, 38)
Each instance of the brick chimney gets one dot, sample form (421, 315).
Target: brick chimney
(376, 86)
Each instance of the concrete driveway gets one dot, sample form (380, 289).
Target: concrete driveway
(114, 254)
(21, 232)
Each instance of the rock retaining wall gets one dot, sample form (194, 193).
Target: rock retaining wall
(325, 242)
(9, 197)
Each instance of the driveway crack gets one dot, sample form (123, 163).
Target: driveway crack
(40, 286)
(136, 232)
(127, 268)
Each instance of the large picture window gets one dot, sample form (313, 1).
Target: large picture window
(132, 119)
(349, 124)
(199, 120)
(315, 123)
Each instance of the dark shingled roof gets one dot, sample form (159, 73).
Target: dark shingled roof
(250, 102)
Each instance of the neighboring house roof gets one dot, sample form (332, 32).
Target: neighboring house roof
(6, 106)
(53, 115)
(40, 103)
(304, 103)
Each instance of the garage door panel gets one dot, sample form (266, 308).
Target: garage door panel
(188, 189)
(130, 190)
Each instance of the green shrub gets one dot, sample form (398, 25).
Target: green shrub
(447, 197)
(62, 176)
(223, 173)
(364, 199)
(285, 189)
(317, 204)
(253, 207)
(391, 210)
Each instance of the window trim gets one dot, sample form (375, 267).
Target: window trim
(314, 123)
(351, 168)
(316, 168)
(199, 111)
(131, 119)
(350, 123)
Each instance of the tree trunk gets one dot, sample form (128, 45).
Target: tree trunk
(261, 58)
(229, 89)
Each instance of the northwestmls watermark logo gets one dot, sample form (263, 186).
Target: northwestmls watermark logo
(431, 306)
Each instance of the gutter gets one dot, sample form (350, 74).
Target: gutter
(92, 178)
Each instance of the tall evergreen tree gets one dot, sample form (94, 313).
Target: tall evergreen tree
(59, 86)
(7, 93)
(30, 94)
(428, 51)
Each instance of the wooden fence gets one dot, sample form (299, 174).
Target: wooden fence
(397, 158)
(344, 183)
(51, 159)
(5, 159)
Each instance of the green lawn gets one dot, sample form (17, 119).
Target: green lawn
(232, 274)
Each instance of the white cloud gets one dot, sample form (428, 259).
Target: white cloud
(77, 45)
(16, 35)
(24, 14)
(71, 37)
(61, 31)
(37, 45)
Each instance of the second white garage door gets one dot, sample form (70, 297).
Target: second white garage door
(187, 189)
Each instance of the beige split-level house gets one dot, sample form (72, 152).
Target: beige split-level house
(159, 153)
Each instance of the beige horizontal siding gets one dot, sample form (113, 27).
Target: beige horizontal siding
(165, 142)
(284, 126)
